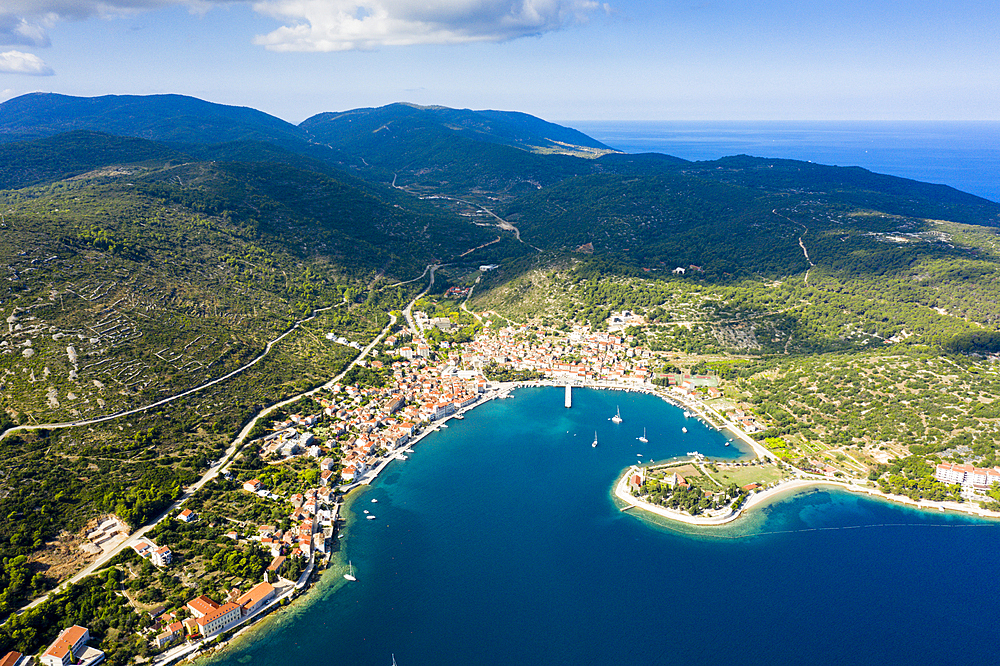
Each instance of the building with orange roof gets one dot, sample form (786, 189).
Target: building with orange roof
(12, 659)
(71, 648)
(220, 618)
(256, 598)
(202, 605)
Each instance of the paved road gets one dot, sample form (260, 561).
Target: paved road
(208, 476)
(229, 456)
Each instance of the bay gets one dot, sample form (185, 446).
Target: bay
(964, 155)
(498, 542)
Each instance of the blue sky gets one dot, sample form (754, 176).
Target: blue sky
(562, 60)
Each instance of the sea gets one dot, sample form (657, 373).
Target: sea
(499, 542)
(964, 155)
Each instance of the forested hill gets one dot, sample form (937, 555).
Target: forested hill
(518, 130)
(168, 118)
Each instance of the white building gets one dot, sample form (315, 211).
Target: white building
(71, 648)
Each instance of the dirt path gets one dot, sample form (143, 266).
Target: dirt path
(168, 400)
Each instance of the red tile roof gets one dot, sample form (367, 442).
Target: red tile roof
(10, 659)
(203, 605)
(217, 613)
(254, 596)
(68, 638)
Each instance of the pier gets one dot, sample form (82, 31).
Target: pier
(569, 396)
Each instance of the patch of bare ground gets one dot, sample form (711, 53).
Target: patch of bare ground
(63, 557)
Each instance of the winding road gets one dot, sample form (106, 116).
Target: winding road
(231, 451)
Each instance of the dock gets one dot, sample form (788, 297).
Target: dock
(569, 396)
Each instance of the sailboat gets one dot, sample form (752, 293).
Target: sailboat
(643, 438)
(594, 445)
(617, 418)
(350, 576)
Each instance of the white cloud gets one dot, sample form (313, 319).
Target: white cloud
(16, 62)
(18, 31)
(26, 22)
(328, 25)
(341, 25)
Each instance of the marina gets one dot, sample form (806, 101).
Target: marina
(425, 569)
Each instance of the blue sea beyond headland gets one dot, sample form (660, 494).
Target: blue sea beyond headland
(964, 155)
(498, 542)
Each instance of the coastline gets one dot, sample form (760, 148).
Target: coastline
(502, 390)
(790, 487)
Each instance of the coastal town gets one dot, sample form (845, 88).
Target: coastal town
(277, 502)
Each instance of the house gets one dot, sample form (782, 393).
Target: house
(273, 545)
(252, 486)
(71, 648)
(274, 569)
(220, 618)
(635, 481)
(675, 480)
(679, 270)
(174, 631)
(190, 625)
(12, 659)
(256, 598)
(161, 557)
(187, 516)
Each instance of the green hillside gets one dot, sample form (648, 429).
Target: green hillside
(151, 245)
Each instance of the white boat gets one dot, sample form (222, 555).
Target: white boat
(643, 438)
(350, 576)
(594, 445)
(444, 425)
(639, 454)
(684, 429)
(366, 510)
(727, 443)
(374, 501)
(459, 417)
(617, 418)
(687, 414)
(371, 517)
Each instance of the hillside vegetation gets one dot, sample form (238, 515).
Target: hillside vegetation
(151, 245)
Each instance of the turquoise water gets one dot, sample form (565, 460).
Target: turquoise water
(498, 542)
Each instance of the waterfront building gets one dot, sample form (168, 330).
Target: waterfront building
(256, 598)
(967, 475)
(215, 621)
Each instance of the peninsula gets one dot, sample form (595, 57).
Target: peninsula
(207, 345)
